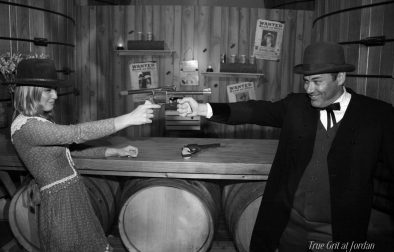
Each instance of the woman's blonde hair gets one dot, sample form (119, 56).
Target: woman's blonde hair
(27, 102)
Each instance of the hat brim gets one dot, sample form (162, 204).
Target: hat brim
(50, 83)
(310, 69)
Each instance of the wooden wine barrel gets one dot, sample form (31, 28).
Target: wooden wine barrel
(23, 219)
(349, 21)
(51, 21)
(104, 196)
(174, 215)
(241, 202)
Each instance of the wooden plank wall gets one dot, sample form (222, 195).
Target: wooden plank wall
(193, 32)
(355, 25)
(290, 4)
(27, 23)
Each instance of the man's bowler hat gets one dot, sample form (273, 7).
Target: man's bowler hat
(323, 57)
(37, 72)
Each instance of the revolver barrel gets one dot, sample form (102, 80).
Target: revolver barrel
(205, 91)
(148, 90)
(166, 90)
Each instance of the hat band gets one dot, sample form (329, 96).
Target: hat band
(312, 67)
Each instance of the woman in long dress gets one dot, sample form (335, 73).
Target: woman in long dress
(67, 221)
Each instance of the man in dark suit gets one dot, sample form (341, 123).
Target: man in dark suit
(319, 191)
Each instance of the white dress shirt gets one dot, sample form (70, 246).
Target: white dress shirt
(344, 101)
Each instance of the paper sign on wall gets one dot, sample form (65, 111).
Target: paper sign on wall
(268, 39)
(189, 73)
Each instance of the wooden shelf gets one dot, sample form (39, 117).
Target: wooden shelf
(144, 52)
(233, 75)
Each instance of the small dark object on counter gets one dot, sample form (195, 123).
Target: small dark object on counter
(190, 149)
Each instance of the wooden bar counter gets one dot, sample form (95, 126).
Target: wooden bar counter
(244, 159)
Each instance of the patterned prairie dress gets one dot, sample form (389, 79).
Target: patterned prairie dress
(67, 221)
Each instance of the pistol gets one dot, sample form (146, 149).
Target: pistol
(190, 149)
(166, 95)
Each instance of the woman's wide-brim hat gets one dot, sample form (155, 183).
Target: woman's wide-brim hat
(323, 57)
(37, 72)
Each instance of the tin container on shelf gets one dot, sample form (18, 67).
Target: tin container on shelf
(242, 59)
(232, 58)
(149, 36)
(139, 35)
(251, 59)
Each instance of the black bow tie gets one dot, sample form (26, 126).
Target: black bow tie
(330, 113)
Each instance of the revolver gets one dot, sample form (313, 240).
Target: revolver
(190, 149)
(166, 95)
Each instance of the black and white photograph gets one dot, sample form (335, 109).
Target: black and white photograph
(196, 126)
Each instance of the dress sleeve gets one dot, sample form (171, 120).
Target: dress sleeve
(38, 132)
(92, 152)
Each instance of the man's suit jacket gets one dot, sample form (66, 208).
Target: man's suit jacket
(364, 142)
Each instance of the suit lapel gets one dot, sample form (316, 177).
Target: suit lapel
(310, 118)
(338, 156)
(349, 123)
